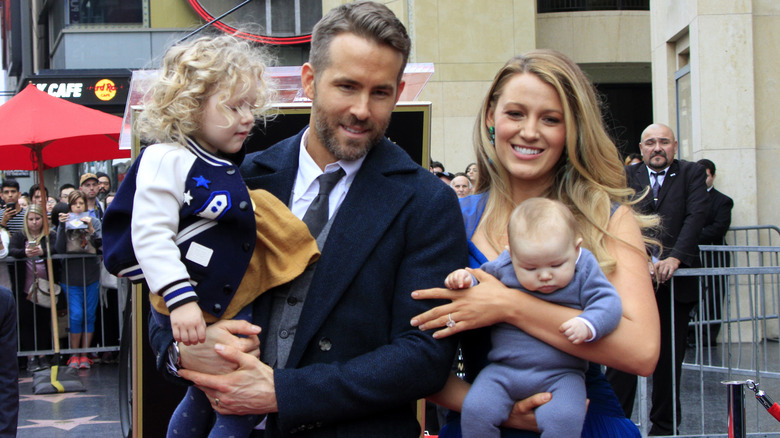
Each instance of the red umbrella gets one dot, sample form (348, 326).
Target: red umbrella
(40, 132)
(57, 131)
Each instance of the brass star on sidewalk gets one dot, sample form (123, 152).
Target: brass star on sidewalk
(64, 424)
(54, 398)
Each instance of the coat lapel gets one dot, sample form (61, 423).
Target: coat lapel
(274, 169)
(641, 180)
(372, 204)
(669, 180)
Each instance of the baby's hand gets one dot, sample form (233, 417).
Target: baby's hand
(188, 324)
(576, 330)
(460, 279)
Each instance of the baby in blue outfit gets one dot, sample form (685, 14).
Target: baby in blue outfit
(546, 261)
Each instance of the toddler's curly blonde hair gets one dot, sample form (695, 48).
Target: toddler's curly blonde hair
(191, 73)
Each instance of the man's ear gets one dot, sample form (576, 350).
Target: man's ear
(307, 80)
(401, 86)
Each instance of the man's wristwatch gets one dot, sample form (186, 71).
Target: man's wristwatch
(174, 359)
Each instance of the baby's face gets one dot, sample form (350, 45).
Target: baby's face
(546, 264)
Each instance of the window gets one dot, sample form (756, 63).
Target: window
(277, 18)
(591, 5)
(105, 11)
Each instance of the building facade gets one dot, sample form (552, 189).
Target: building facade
(706, 68)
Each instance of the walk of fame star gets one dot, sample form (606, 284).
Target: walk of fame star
(64, 424)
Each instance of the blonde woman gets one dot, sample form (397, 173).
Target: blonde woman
(540, 134)
(34, 321)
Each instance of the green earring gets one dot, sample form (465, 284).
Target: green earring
(492, 134)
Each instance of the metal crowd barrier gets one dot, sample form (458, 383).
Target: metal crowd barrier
(109, 313)
(747, 289)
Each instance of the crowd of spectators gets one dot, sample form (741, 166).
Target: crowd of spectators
(23, 250)
(463, 183)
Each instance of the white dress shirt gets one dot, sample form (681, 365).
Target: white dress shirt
(306, 185)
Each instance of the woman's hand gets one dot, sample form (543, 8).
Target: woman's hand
(483, 305)
(35, 251)
(522, 416)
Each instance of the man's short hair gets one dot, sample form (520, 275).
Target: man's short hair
(34, 188)
(435, 164)
(463, 175)
(366, 19)
(707, 165)
(67, 186)
(10, 182)
(102, 174)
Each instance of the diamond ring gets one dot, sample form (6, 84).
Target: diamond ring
(450, 322)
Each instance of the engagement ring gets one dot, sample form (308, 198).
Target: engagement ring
(451, 322)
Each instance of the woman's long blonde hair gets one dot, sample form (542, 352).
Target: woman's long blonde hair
(589, 176)
(34, 209)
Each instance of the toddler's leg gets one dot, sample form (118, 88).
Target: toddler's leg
(193, 417)
(487, 404)
(564, 415)
(233, 426)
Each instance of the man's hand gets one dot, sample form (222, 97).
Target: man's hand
(8, 214)
(204, 359)
(665, 268)
(247, 390)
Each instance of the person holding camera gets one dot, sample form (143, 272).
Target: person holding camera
(79, 232)
(34, 320)
(12, 217)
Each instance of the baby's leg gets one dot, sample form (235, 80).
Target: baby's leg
(564, 415)
(193, 417)
(487, 403)
(233, 426)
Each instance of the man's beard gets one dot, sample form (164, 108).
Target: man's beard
(662, 166)
(352, 149)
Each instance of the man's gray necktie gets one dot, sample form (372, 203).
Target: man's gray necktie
(317, 215)
(656, 185)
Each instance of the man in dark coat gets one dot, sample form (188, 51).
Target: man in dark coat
(344, 359)
(716, 225)
(676, 191)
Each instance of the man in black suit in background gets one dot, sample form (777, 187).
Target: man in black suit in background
(716, 225)
(677, 193)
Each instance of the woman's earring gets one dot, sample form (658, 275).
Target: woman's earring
(492, 135)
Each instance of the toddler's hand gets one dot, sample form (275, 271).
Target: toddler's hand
(188, 324)
(576, 331)
(460, 279)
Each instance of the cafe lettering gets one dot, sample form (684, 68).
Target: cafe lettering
(91, 91)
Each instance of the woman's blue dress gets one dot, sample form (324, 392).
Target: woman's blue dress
(605, 417)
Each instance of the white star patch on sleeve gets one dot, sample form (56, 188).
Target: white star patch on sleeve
(187, 197)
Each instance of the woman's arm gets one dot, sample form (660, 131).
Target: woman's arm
(633, 347)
